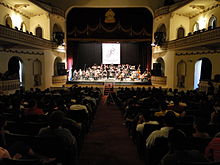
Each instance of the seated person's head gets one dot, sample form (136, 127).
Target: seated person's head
(147, 116)
(170, 119)
(56, 119)
(163, 106)
(200, 124)
(176, 139)
(32, 103)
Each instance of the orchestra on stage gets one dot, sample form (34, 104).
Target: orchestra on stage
(113, 72)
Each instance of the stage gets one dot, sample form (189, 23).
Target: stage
(109, 81)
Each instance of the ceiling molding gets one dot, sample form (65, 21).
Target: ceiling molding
(14, 9)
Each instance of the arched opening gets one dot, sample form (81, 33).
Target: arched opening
(57, 28)
(39, 32)
(37, 71)
(58, 34)
(181, 74)
(203, 71)
(180, 33)
(59, 67)
(196, 27)
(15, 70)
(212, 22)
(23, 27)
(160, 35)
(8, 21)
(161, 67)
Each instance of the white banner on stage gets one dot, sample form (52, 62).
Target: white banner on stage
(110, 53)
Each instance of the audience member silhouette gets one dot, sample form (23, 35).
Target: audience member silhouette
(169, 121)
(177, 152)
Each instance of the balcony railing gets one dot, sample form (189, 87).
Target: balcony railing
(59, 79)
(14, 36)
(8, 85)
(200, 39)
(159, 80)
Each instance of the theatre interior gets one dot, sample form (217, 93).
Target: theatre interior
(86, 82)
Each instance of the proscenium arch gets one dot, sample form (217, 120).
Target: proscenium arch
(126, 37)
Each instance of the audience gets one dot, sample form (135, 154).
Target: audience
(169, 121)
(144, 118)
(177, 152)
(215, 115)
(141, 104)
(33, 108)
(163, 111)
(200, 126)
(55, 129)
(212, 151)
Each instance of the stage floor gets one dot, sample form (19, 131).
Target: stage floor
(110, 80)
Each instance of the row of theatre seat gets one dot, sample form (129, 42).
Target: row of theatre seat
(153, 155)
(25, 129)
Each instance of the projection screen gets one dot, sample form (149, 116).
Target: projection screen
(110, 53)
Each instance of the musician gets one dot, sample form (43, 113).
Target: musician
(87, 75)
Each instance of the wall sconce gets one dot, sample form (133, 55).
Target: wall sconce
(153, 44)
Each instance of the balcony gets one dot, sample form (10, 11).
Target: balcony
(207, 39)
(159, 80)
(59, 80)
(9, 85)
(11, 37)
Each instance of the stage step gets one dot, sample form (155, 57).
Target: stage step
(107, 91)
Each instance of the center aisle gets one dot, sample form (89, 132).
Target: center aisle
(108, 142)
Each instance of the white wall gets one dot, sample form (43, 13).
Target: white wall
(17, 18)
(177, 21)
(206, 16)
(44, 22)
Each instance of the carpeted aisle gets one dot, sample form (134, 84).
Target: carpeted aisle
(108, 142)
